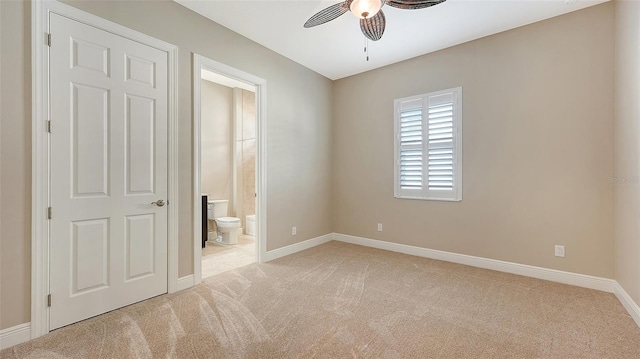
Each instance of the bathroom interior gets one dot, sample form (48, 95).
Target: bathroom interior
(228, 173)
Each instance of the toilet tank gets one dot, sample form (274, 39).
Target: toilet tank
(217, 208)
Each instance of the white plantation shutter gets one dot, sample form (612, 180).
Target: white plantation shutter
(411, 147)
(428, 146)
(440, 146)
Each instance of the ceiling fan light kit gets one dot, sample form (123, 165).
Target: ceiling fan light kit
(364, 9)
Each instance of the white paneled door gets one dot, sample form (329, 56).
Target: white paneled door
(108, 112)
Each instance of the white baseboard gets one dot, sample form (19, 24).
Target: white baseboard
(297, 247)
(628, 303)
(15, 335)
(580, 280)
(185, 282)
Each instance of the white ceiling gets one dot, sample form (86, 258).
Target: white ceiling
(335, 49)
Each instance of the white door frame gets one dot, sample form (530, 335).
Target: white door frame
(199, 63)
(41, 9)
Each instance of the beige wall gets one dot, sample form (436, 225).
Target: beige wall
(299, 128)
(217, 140)
(538, 147)
(15, 164)
(627, 147)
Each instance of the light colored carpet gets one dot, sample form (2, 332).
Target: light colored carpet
(218, 258)
(344, 301)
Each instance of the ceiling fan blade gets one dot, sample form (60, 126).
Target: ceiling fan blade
(413, 4)
(328, 14)
(373, 28)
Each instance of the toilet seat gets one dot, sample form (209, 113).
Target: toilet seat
(228, 222)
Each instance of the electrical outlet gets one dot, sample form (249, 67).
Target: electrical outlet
(559, 251)
(379, 227)
(294, 230)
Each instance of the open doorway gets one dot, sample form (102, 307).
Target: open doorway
(228, 168)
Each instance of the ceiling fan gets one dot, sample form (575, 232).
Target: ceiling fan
(372, 20)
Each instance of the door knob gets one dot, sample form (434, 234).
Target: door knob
(158, 203)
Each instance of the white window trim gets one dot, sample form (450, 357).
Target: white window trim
(425, 194)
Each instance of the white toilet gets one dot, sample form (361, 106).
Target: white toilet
(228, 227)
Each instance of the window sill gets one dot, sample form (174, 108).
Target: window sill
(430, 199)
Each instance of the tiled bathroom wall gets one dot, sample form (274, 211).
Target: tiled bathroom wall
(246, 153)
(216, 140)
(228, 125)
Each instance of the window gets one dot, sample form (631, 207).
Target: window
(428, 146)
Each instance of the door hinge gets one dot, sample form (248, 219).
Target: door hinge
(49, 40)
(49, 300)
(48, 212)
(49, 126)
